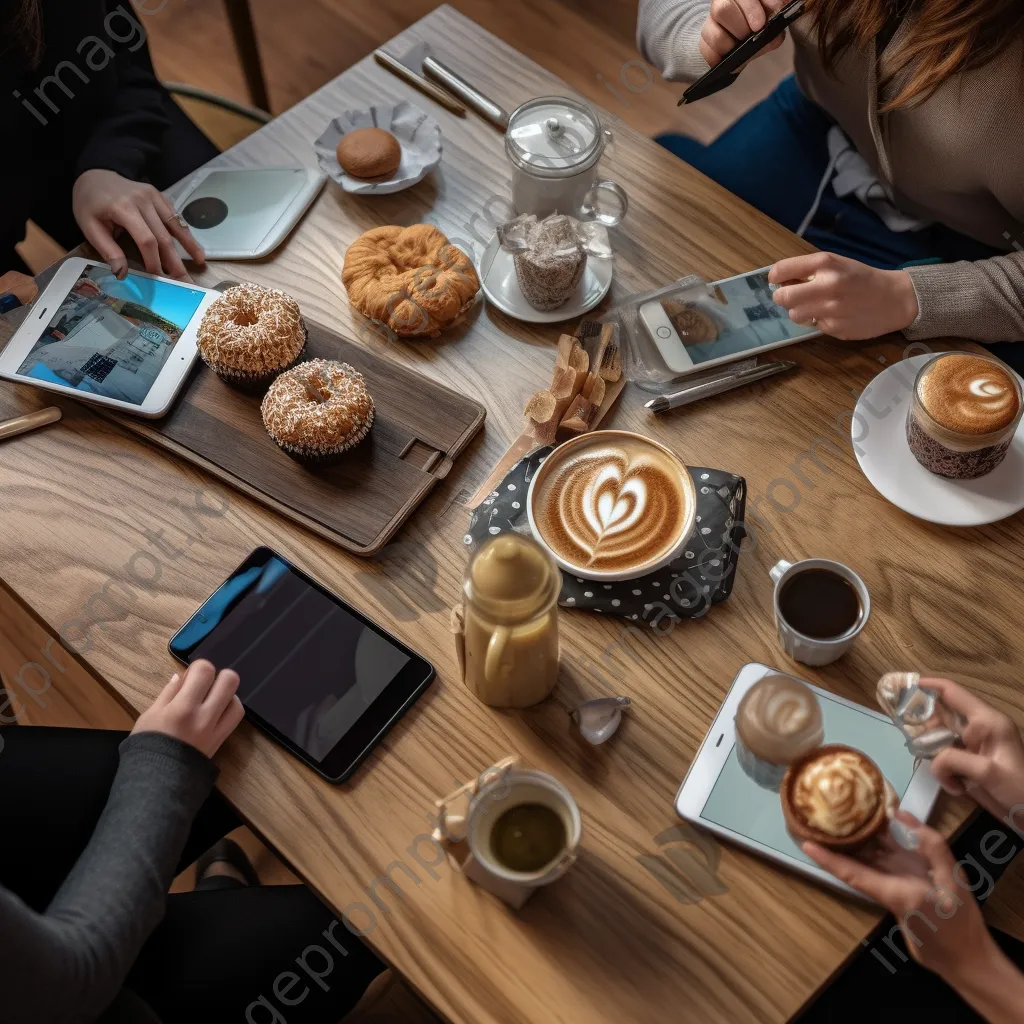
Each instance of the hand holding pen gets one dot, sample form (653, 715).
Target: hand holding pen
(731, 21)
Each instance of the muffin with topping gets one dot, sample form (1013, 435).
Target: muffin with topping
(317, 410)
(251, 334)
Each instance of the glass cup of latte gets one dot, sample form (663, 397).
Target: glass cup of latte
(964, 411)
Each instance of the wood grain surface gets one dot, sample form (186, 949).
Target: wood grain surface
(361, 499)
(113, 544)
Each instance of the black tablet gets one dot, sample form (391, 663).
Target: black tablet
(315, 674)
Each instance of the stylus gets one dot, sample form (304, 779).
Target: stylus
(726, 71)
(30, 421)
(716, 386)
(435, 92)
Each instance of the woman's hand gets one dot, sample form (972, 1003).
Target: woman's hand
(103, 203)
(940, 919)
(844, 298)
(731, 21)
(200, 709)
(991, 768)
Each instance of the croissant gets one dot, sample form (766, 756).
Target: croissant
(413, 279)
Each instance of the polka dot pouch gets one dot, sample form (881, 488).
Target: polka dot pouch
(701, 577)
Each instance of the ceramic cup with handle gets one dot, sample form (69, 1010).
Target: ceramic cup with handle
(499, 791)
(820, 608)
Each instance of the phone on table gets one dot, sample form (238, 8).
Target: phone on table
(719, 796)
(735, 319)
(128, 344)
(316, 675)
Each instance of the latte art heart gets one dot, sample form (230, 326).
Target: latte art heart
(608, 507)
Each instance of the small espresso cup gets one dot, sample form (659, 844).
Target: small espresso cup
(810, 650)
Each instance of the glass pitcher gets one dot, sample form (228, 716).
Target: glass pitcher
(507, 624)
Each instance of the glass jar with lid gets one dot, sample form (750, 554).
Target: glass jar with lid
(555, 145)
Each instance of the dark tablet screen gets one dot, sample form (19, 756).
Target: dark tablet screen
(314, 671)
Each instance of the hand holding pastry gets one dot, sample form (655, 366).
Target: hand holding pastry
(990, 766)
(927, 892)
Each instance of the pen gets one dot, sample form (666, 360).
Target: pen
(30, 421)
(435, 92)
(716, 386)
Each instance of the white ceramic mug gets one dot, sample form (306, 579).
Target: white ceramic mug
(499, 790)
(806, 649)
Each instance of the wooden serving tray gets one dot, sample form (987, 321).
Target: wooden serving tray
(359, 501)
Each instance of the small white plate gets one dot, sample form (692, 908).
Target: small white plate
(418, 134)
(501, 286)
(880, 444)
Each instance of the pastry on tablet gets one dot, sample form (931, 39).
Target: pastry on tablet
(317, 410)
(251, 333)
(369, 153)
(412, 280)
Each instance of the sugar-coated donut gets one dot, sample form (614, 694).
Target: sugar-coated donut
(412, 280)
(251, 333)
(318, 409)
(369, 153)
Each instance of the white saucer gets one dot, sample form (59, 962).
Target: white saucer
(501, 286)
(880, 444)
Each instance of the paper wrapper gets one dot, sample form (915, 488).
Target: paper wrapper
(418, 133)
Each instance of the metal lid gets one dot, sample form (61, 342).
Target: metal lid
(554, 136)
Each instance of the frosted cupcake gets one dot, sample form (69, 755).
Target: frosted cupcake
(778, 722)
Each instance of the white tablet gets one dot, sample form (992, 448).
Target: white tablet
(245, 213)
(746, 320)
(125, 344)
(718, 795)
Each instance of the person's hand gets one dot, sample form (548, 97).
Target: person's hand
(991, 767)
(200, 709)
(928, 895)
(731, 21)
(844, 298)
(103, 203)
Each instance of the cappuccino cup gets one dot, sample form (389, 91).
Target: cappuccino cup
(820, 608)
(612, 505)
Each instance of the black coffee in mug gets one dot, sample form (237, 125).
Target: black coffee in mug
(819, 603)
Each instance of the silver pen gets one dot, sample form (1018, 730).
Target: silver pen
(440, 73)
(716, 386)
(30, 421)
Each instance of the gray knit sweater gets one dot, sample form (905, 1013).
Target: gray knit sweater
(67, 965)
(957, 159)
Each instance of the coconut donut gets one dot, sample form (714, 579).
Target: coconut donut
(251, 333)
(413, 280)
(318, 409)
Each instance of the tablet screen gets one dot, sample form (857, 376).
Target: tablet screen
(739, 315)
(309, 667)
(740, 805)
(112, 338)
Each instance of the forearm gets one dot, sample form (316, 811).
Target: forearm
(71, 961)
(983, 301)
(668, 36)
(994, 987)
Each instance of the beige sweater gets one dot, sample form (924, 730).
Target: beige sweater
(957, 159)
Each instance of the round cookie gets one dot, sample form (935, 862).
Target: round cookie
(369, 153)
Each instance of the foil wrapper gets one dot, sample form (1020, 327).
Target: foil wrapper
(924, 718)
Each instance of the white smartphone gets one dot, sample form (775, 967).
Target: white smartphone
(719, 796)
(245, 213)
(739, 319)
(128, 344)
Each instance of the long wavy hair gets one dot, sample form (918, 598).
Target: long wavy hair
(949, 37)
(26, 30)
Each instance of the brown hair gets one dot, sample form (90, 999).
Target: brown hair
(27, 30)
(949, 37)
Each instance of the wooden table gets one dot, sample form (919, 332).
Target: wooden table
(651, 925)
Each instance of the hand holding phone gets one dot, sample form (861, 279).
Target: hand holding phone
(731, 21)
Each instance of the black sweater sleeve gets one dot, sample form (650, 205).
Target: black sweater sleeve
(67, 965)
(127, 134)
